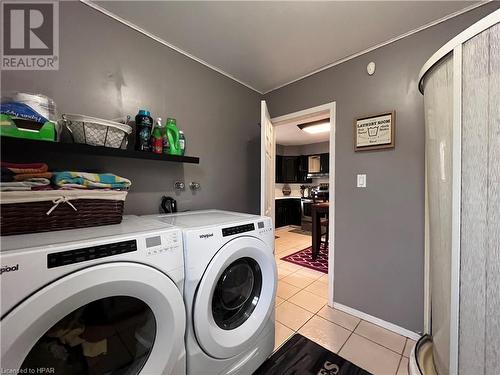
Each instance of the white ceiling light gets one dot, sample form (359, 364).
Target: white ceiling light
(316, 127)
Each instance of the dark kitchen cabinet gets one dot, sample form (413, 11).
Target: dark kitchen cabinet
(287, 212)
(302, 170)
(279, 213)
(325, 163)
(294, 214)
(291, 169)
(279, 169)
(319, 164)
(286, 169)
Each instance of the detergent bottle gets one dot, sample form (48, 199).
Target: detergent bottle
(172, 134)
(143, 124)
(157, 137)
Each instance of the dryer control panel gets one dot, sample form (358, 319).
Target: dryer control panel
(262, 228)
(64, 258)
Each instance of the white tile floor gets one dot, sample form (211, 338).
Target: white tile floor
(301, 306)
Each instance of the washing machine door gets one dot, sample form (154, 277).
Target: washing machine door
(235, 297)
(113, 318)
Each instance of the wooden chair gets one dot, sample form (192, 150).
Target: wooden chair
(324, 224)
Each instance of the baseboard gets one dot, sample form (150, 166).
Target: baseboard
(382, 323)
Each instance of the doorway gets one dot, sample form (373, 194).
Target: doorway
(313, 167)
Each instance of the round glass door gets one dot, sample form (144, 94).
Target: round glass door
(236, 293)
(112, 335)
(234, 300)
(113, 318)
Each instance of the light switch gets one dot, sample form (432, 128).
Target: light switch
(361, 181)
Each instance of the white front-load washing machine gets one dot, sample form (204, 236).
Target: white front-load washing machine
(102, 300)
(229, 290)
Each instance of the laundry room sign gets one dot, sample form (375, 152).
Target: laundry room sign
(374, 132)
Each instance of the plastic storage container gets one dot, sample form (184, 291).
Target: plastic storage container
(43, 105)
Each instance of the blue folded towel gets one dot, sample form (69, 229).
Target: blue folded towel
(84, 180)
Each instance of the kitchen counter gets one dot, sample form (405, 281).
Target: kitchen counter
(289, 197)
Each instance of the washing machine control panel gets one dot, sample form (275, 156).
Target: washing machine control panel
(63, 258)
(154, 244)
(161, 244)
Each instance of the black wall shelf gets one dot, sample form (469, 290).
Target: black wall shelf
(15, 146)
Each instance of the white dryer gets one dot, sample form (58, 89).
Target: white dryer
(103, 300)
(229, 292)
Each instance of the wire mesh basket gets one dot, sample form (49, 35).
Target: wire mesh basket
(97, 132)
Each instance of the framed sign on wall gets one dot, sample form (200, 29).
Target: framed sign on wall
(375, 132)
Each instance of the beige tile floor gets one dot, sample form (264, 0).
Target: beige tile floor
(301, 306)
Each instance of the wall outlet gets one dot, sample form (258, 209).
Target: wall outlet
(361, 181)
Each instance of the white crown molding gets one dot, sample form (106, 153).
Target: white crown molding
(112, 15)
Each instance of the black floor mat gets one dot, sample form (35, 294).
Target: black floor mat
(301, 356)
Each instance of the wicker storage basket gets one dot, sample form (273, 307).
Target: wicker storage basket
(43, 211)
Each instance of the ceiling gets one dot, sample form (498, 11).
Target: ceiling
(265, 45)
(288, 133)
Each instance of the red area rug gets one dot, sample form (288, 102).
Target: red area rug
(304, 258)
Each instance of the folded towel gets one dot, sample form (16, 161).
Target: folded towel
(13, 188)
(43, 187)
(23, 168)
(30, 176)
(83, 180)
(31, 184)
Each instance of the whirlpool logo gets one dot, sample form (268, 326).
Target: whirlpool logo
(205, 236)
(9, 269)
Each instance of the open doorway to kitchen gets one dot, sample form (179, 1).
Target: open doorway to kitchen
(298, 170)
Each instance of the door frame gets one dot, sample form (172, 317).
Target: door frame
(305, 113)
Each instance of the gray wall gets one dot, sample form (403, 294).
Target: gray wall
(379, 244)
(107, 70)
(315, 148)
(309, 149)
